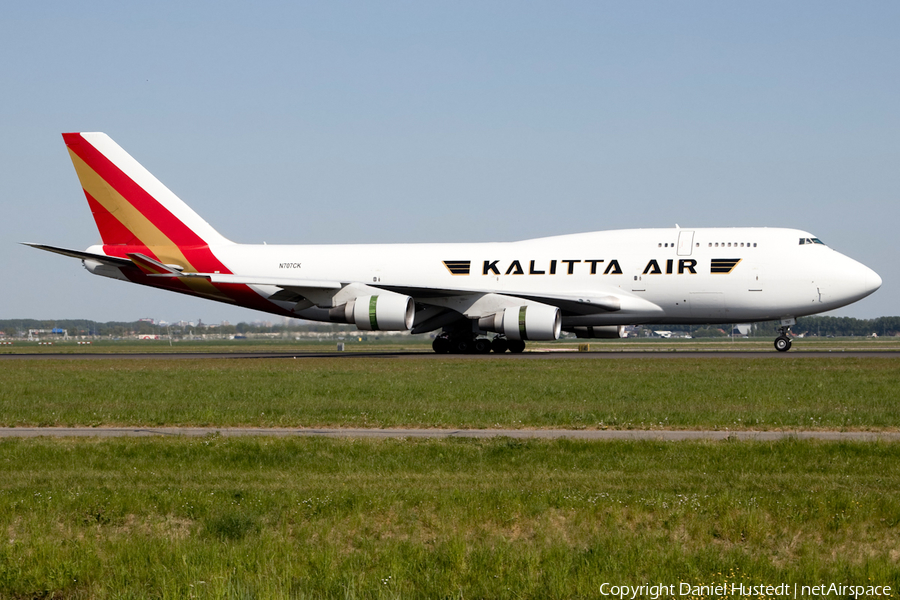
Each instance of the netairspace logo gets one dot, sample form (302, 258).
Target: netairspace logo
(719, 590)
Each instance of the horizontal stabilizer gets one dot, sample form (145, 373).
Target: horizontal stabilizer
(81, 255)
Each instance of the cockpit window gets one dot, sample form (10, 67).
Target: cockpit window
(811, 241)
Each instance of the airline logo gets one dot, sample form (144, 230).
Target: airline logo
(458, 267)
(685, 265)
(592, 266)
(535, 267)
(723, 265)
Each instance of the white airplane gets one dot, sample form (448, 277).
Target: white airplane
(590, 284)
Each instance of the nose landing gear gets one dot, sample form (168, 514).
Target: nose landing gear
(783, 342)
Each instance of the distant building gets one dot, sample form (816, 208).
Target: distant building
(742, 330)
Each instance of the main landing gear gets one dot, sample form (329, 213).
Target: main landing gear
(783, 342)
(470, 344)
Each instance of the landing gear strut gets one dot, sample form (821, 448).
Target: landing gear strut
(783, 342)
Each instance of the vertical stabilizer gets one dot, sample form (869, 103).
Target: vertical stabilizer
(132, 207)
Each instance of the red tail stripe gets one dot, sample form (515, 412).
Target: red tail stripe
(192, 246)
(111, 229)
(137, 196)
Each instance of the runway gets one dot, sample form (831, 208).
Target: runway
(579, 434)
(608, 355)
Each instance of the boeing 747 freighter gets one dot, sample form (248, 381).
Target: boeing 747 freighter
(482, 297)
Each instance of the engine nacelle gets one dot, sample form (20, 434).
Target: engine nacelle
(384, 312)
(607, 332)
(529, 322)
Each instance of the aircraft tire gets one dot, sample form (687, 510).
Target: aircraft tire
(440, 345)
(482, 346)
(500, 345)
(516, 346)
(782, 343)
(460, 345)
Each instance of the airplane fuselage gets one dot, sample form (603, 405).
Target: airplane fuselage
(677, 276)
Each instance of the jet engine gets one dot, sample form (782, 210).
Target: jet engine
(530, 322)
(598, 331)
(384, 312)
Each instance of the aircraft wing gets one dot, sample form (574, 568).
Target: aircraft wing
(572, 303)
(282, 282)
(592, 302)
(438, 304)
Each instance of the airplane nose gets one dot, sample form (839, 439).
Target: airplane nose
(859, 280)
(845, 281)
(873, 280)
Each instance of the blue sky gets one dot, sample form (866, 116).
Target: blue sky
(407, 122)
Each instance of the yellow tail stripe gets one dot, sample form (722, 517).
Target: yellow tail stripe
(155, 240)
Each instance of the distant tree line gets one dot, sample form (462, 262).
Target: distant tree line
(818, 326)
(847, 326)
(82, 327)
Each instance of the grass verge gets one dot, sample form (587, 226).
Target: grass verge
(680, 393)
(500, 518)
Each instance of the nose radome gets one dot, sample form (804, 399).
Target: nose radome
(861, 279)
(846, 280)
(873, 280)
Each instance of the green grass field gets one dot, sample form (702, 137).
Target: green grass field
(632, 393)
(299, 518)
(322, 518)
